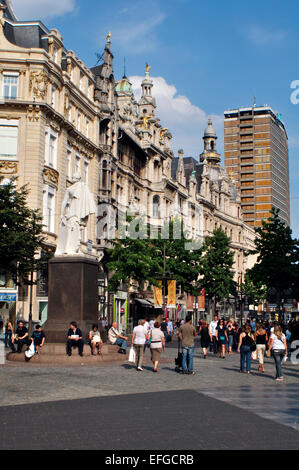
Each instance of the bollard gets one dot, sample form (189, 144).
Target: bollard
(2, 353)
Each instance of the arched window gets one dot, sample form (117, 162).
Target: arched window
(212, 145)
(156, 206)
(104, 174)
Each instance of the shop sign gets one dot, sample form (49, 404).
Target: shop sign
(8, 297)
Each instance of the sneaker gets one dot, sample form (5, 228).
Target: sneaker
(191, 373)
(140, 368)
(279, 379)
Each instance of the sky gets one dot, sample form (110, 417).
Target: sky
(205, 58)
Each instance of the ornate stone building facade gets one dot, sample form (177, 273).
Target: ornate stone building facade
(59, 118)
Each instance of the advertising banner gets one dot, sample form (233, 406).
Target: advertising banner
(171, 298)
(158, 296)
(202, 300)
(189, 303)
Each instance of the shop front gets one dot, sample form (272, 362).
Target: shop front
(120, 311)
(8, 300)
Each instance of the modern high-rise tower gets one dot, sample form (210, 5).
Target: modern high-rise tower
(257, 157)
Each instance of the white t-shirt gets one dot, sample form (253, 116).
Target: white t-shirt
(146, 326)
(156, 338)
(139, 332)
(277, 343)
(213, 326)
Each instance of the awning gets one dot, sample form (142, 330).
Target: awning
(145, 303)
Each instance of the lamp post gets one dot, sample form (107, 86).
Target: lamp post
(164, 277)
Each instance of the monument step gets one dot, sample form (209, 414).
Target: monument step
(59, 348)
(53, 359)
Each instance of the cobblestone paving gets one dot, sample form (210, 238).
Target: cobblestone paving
(25, 383)
(218, 408)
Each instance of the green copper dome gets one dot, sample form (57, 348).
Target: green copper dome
(124, 86)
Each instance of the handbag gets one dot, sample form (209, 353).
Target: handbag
(254, 355)
(132, 355)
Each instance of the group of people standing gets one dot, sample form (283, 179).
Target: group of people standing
(252, 341)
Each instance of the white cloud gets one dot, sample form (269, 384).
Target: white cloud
(185, 120)
(40, 9)
(261, 35)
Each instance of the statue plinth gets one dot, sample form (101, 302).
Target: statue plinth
(73, 295)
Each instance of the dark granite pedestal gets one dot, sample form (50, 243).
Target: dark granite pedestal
(73, 296)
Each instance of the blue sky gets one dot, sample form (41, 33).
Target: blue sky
(206, 57)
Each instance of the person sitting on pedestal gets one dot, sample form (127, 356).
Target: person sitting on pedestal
(95, 340)
(38, 337)
(74, 339)
(20, 338)
(116, 338)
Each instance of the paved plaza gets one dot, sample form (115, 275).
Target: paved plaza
(112, 406)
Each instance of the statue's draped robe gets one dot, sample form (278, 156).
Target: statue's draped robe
(77, 205)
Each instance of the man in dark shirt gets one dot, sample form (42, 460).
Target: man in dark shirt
(187, 333)
(38, 337)
(74, 339)
(20, 338)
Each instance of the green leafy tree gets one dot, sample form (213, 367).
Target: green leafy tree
(278, 256)
(21, 233)
(216, 267)
(150, 259)
(255, 291)
(182, 256)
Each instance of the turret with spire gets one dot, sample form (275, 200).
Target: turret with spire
(147, 104)
(210, 151)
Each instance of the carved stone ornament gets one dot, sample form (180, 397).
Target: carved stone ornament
(51, 176)
(33, 112)
(38, 84)
(8, 168)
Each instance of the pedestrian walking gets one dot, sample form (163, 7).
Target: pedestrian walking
(157, 344)
(165, 329)
(261, 339)
(186, 336)
(278, 347)
(245, 347)
(8, 333)
(231, 333)
(138, 340)
(170, 328)
(204, 338)
(212, 331)
(222, 338)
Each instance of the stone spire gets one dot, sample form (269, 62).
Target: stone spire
(210, 150)
(147, 104)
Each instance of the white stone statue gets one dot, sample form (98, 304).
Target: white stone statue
(78, 204)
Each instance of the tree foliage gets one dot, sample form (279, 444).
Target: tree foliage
(255, 291)
(142, 259)
(278, 255)
(21, 234)
(216, 266)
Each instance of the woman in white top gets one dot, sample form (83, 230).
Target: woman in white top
(278, 346)
(157, 343)
(139, 337)
(95, 340)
